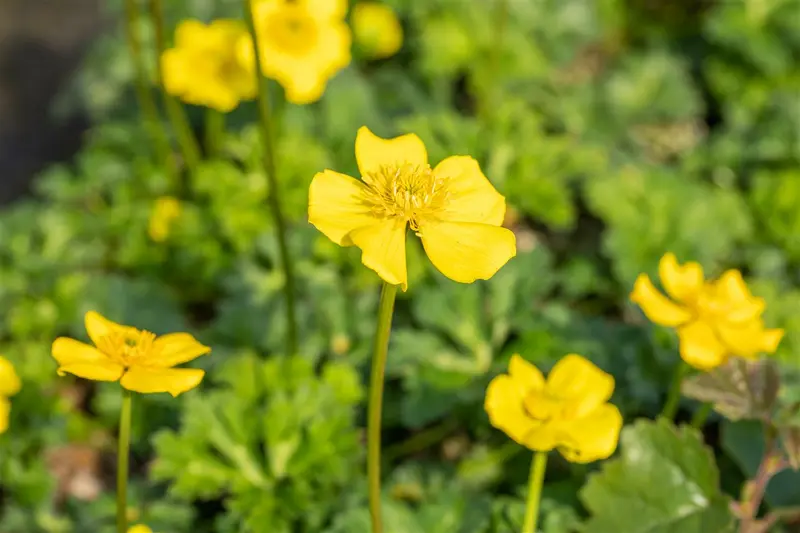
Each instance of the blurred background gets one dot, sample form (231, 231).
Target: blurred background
(42, 43)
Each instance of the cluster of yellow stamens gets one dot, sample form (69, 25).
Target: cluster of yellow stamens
(127, 346)
(409, 192)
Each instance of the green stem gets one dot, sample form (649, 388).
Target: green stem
(147, 103)
(265, 122)
(123, 451)
(175, 111)
(215, 130)
(700, 416)
(535, 481)
(674, 395)
(383, 329)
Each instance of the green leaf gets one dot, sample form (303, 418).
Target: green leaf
(665, 481)
(738, 389)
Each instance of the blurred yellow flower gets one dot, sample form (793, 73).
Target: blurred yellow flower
(165, 211)
(10, 384)
(714, 319)
(139, 528)
(303, 43)
(377, 29)
(139, 360)
(205, 67)
(453, 208)
(569, 412)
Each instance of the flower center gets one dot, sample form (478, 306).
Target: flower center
(542, 406)
(407, 191)
(291, 29)
(127, 346)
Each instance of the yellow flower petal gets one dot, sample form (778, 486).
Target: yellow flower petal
(107, 371)
(471, 197)
(175, 71)
(332, 53)
(770, 339)
(336, 205)
(466, 252)
(504, 406)
(10, 383)
(140, 528)
(69, 352)
(700, 347)
(544, 437)
(657, 307)
(326, 10)
(732, 286)
(303, 84)
(748, 339)
(593, 437)
(525, 376)
(152, 380)
(373, 152)
(376, 29)
(732, 295)
(577, 381)
(383, 249)
(682, 282)
(5, 411)
(98, 326)
(174, 349)
(190, 34)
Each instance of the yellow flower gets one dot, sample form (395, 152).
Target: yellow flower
(139, 360)
(569, 412)
(453, 208)
(714, 320)
(139, 528)
(165, 211)
(303, 43)
(10, 384)
(377, 29)
(205, 67)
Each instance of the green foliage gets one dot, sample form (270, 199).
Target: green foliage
(275, 438)
(665, 481)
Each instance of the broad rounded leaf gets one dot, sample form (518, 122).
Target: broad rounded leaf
(665, 481)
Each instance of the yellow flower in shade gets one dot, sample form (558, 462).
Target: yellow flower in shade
(165, 211)
(205, 67)
(377, 29)
(714, 320)
(139, 360)
(10, 384)
(139, 528)
(569, 412)
(452, 207)
(303, 43)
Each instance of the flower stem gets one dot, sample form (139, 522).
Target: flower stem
(215, 129)
(265, 122)
(535, 481)
(382, 331)
(674, 395)
(123, 451)
(175, 111)
(147, 103)
(700, 416)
